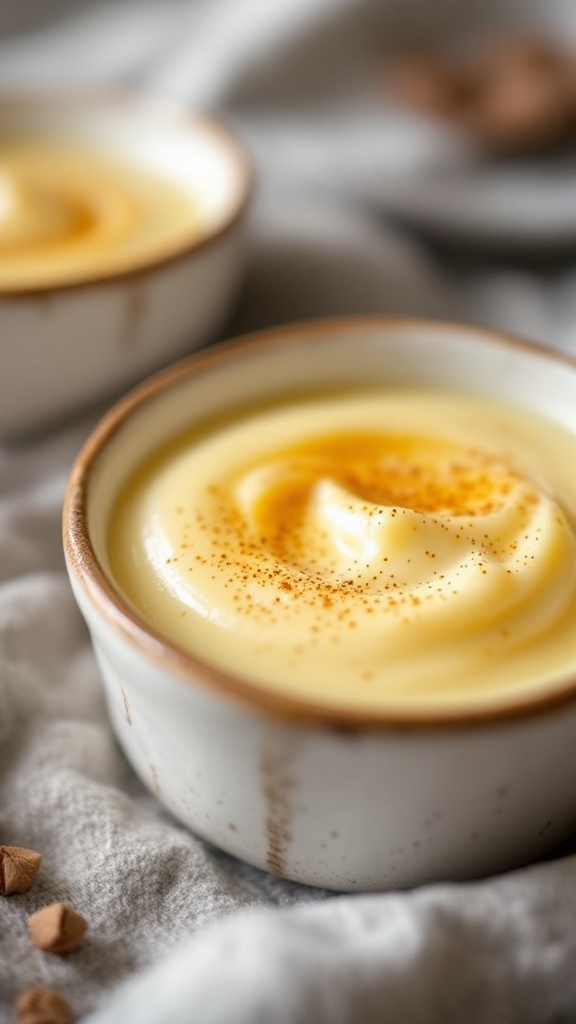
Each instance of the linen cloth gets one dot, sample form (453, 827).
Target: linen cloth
(179, 932)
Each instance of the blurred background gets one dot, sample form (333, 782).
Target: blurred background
(412, 156)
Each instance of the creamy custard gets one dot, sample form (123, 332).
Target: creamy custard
(375, 550)
(69, 213)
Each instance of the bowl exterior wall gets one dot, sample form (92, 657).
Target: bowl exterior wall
(64, 349)
(351, 810)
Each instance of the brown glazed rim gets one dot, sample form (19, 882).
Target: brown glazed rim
(177, 114)
(87, 571)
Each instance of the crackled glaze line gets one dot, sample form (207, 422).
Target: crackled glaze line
(277, 785)
(136, 310)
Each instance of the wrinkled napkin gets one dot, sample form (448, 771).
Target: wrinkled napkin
(178, 931)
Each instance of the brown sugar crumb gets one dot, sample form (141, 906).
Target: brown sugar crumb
(57, 928)
(18, 869)
(40, 1005)
(427, 84)
(515, 97)
(526, 98)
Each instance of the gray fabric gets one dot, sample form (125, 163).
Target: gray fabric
(179, 932)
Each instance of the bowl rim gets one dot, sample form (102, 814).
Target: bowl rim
(176, 113)
(87, 572)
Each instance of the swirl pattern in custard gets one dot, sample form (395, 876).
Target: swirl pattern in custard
(70, 213)
(375, 550)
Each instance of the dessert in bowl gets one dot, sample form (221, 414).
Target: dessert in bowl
(330, 576)
(121, 223)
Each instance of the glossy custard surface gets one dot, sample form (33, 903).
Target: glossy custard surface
(379, 549)
(69, 214)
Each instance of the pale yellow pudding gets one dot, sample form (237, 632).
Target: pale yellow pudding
(70, 213)
(377, 549)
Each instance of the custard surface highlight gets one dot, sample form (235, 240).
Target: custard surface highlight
(376, 550)
(69, 214)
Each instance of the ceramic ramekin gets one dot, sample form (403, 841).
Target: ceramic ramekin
(331, 798)
(66, 346)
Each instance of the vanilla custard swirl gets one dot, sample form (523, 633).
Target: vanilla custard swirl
(70, 213)
(372, 550)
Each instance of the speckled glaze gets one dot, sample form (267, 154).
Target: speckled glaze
(326, 797)
(65, 347)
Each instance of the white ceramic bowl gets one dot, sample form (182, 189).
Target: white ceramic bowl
(65, 346)
(327, 797)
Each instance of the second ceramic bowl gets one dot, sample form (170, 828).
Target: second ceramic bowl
(66, 345)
